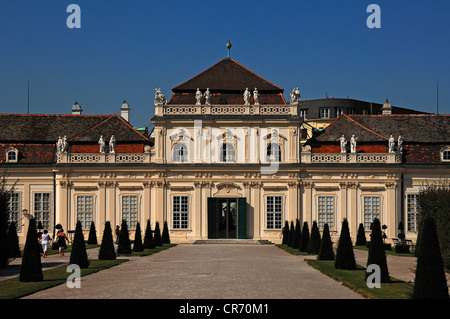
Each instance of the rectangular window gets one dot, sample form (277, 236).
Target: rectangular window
(325, 211)
(304, 114)
(339, 111)
(372, 210)
(14, 207)
(324, 113)
(446, 156)
(130, 210)
(274, 209)
(42, 209)
(412, 212)
(85, 210)
(180, 212)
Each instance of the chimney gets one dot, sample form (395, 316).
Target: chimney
(387, 108)
(125, 111)
(76, 109)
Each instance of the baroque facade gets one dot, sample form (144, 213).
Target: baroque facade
(225, 159)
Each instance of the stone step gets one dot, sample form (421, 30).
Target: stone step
(232, 241)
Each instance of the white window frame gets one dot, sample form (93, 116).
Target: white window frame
(227, 153)
(271, 154)
(444, 154)
(339, 111)
(85, 214)
(372, 208)
(412, 212)
(326, 211)
(128, 214)
(304, 113)
(180, 212)
(274, 212)
(14, 151)
(324, 113)
(15, 210)
(180, 153)
(40, 210)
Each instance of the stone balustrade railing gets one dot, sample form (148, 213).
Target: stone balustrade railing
(205, 109)
(102, 158)
(341, 158)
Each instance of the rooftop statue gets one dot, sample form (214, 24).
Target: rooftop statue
(247, 95)
(391, 144)
(198, 96)
(343, 143)
(208, 97)
(159, 97)
(101, 142)
(112, 144)
(353, 144)
(295, 95)
(256, 96)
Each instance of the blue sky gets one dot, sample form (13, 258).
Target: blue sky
(125, 49)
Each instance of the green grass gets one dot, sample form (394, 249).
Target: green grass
(13, 288)
(293, 251)
(148, 252)
(388, 252)
(355, 280)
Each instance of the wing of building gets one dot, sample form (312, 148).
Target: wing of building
(228, 157)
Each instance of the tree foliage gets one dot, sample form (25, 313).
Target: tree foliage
(149, 243)
(361, 236)
(124, 246)
(314, 242)
(107, 251)
(31, 269)
(92, 239)
(326, 245)
(78, 255)
(376, 254)
(345, 257)
(138, 246)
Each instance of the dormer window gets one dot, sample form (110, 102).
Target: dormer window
(445, 154)
(324, 113)
(12, 155)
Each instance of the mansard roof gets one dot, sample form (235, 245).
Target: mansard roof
(227, 80)
(417, 128)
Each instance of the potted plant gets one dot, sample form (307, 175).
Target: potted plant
(402, 248)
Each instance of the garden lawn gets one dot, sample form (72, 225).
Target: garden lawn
(355, 280)
(13, 288)
(148, 252)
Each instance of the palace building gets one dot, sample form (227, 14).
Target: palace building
(228, 157)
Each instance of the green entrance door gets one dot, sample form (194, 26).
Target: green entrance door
(227, 217)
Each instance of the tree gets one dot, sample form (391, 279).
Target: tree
(107, 251)
(157, 238)
(345, 257)
(430, 281)
(138, 246)
(314, 243)
(285, 233)
(31, 269)
(304, 242)
(434, 202)
(149, 243)
(165, 234)
(291, 235)
(92, 239)
(124, 246)
(13, 242)
(361, 236)
(78, 254)
(326, 245)
(297, 235)
(377, 255)
(5, 195)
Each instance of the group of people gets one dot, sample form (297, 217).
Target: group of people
(60, 240)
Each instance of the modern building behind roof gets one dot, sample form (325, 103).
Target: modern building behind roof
(221, 164)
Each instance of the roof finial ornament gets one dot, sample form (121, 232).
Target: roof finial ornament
(228, 47)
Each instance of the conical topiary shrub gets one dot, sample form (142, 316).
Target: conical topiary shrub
(304, 242)
(165, 234)
(124, 246)
(149, 243)
(314, 242)
(430, 281)
(291, 235)
(376, 254)
(92, 239)
(326, 245)
(297, 235)
(157, 238)
(361, 236)
(138, 246)
(107, 251)
(13, 242)
(31, 269)
(285, 233)
(78, 255)
(345, 257)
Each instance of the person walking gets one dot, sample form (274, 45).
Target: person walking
(45, 241)
(61, 241)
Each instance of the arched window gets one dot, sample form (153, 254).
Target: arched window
(228, 154)
(180, 153)
(12, 155)
(273, 153)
